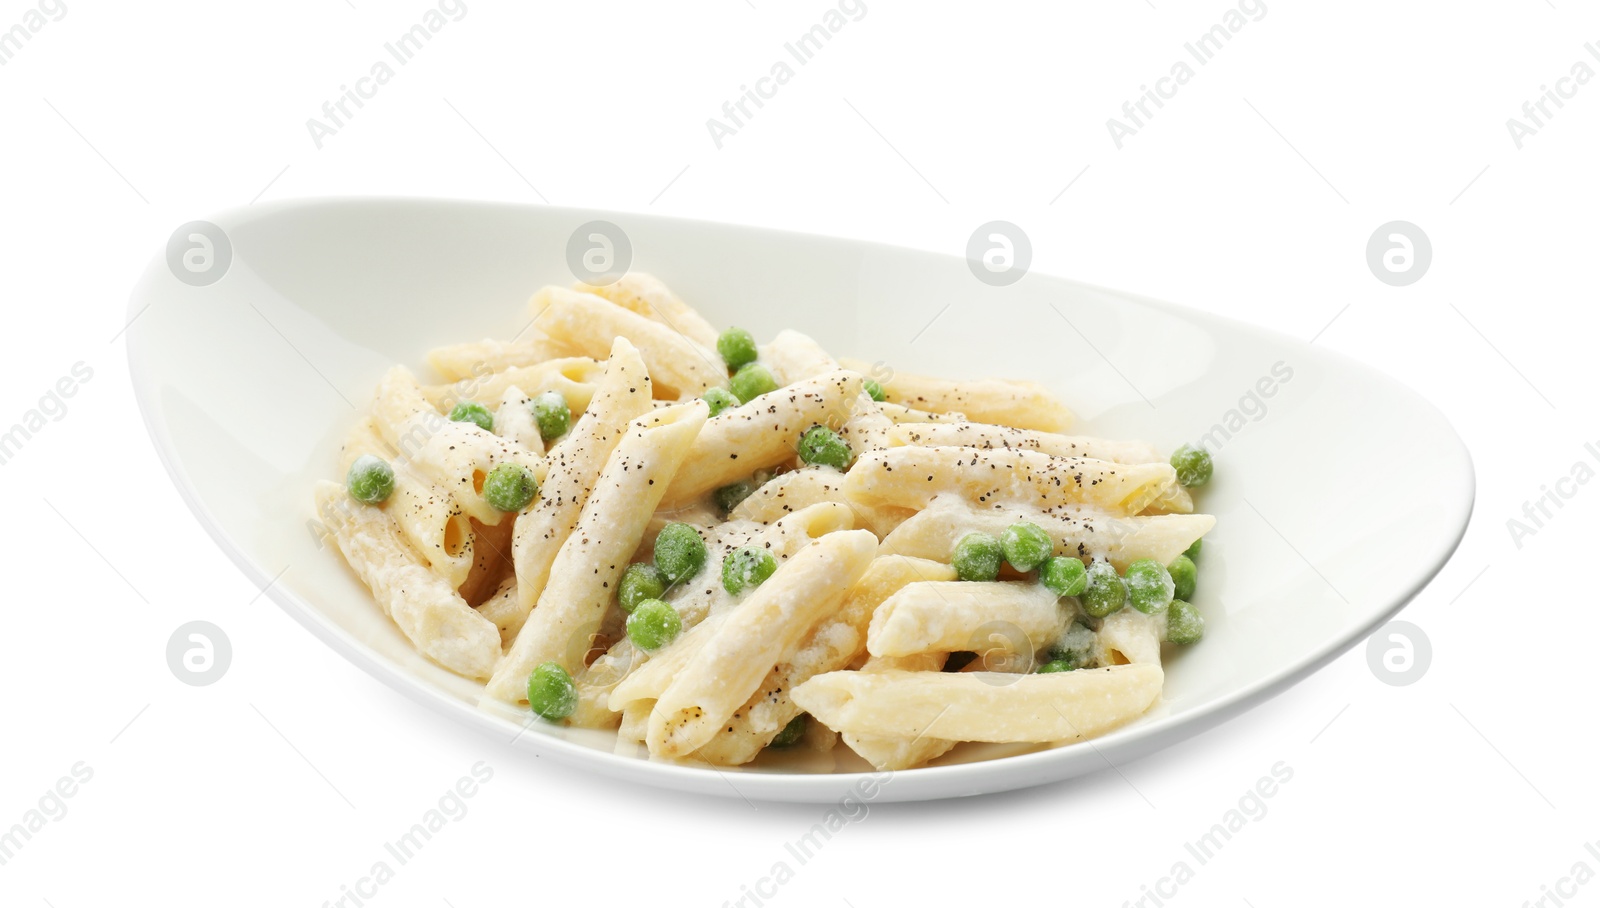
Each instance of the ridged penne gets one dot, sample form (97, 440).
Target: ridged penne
(478, 359)
(645, 294)
(1023, 404)
(589, 324)
(911, 476)
(626, 673)
(945, 616)
(583, 578)
(1082, 532)
(829, 646)
(755, 636)
(762, 433)
(815, 536)
(982, 706)
(573, 377)
(513, 420)
(422, 604)
(574, 463)
(425, 513)
(887, 753)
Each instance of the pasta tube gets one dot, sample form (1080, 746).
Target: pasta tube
(911, 477)
(947, 616)
(982, 706)
(646, 295)
(830, 646)
(762, 433)
(590, 324)
(1023, 404)
(623, 393)
(477, 359)
(439, 623)
(1083, 533)
(583, 578)
(756, 636)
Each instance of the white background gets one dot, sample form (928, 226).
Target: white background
(1252, 193)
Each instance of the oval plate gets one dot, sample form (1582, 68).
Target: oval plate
(1338, 493)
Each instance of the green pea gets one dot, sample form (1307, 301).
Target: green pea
(1193, 552)
(1026, 546)
(720, 399)
(1105, 593)
(370, 480)
(729, 496)
(1184, 624)
(1183, 577)
(640, 581)
(510, 487)
(976, 557)
(1193, 465)
(1149, 586)
(654, 624)
(752, 381)
(680, 552)
(737, 347)
(1075, 645)
(791, 734)
(747, 567)
(552, 414)
(1064, 576)
(822, 445)
(475, 413)
(873, 389)
(1055, 665)
(551, 693)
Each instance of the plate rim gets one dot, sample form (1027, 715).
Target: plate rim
(1131, 741)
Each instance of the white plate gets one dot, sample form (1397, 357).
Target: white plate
(1337, 497)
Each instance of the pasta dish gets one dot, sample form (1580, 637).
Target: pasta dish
(628, 519)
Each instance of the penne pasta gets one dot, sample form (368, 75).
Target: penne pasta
(982, 706)
(1175, 500)
(912, 476)
(1022, 404)
(646, 295)
(425, 513)
(625, 673)
(794, 490)
(795, 357)
(788, 492)
(1084, 533)
(634, 723)
(426, 608)
(501, 609)
(622, 393)
(590, 324)
(891, 753)
(583, 578)
(756, 636)
(479, 359)
(1130, 636)
(900, 414)
(572, 377)
(455, 456)
(1005, 438)
(791, 563)
(513, 420)
(831, 645)
(646, 683)
(762, 433)
(946, 616)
